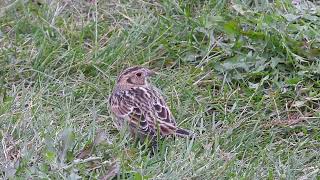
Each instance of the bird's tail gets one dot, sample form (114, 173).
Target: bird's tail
(184, 133)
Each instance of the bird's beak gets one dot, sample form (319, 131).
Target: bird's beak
(151, 73)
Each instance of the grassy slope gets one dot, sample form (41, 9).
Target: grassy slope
(244, 76)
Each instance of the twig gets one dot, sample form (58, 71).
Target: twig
(80, 161)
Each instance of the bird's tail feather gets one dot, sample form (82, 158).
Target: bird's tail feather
(184, 133)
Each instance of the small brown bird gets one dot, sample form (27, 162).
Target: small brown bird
(136, 102)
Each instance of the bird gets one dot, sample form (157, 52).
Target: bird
(139, 104)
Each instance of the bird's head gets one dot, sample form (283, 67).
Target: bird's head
(134, 76)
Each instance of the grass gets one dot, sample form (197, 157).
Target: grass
(243, 74)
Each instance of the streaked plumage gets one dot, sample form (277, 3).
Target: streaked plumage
(141, 105)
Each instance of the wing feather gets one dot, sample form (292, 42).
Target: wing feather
(145, 110)
(134, 110)
(161, 109)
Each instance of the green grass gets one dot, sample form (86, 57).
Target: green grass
(243, 74)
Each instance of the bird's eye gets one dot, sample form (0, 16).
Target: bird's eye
(139, 74)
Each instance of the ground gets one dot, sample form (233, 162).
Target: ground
(244, 75)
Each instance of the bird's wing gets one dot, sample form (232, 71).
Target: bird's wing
(128, 106)
(145, 110)
(161, 108)
(155, 110)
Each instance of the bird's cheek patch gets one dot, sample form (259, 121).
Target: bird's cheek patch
(129, 80)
